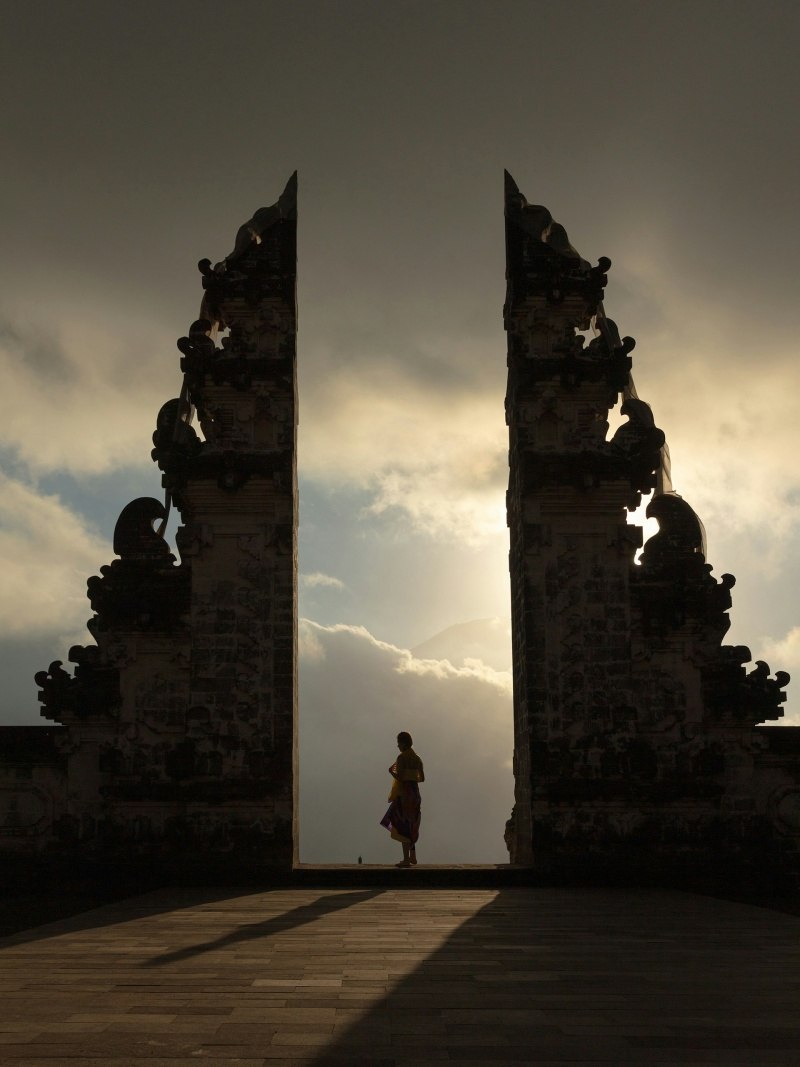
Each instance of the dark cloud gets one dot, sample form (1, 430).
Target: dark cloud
(137, 139)
(34, 346)
(139, 150)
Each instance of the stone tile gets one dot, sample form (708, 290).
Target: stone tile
(302, 1037)
(409, 977)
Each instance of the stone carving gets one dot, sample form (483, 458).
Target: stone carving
(235, 362)
(612, 353)
(674, 584)
(143, 590)
(541, 259)
(134, 536)
(638, 442)
(537, 222)
(732, 694)
(23, 811)
(92, 693)
(680, 541)
(175, 444)
(58, 691)
(198, 349)
(255, 228)
(223, 280)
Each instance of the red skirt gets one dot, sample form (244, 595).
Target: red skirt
(403, 817)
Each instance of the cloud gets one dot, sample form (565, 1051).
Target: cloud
(86, 389)
(722, 383)
(481, 641)
(356, 694)
(425, 434)
(784, 654)
(318, 579)
(733, 445)
(422, 436)
(48, 553)
(429, 450)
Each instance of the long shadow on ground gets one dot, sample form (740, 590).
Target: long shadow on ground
(588, 976)
(279, 923)
(25, 919)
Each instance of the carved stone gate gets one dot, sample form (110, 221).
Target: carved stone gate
(178, 728)
(638, 749)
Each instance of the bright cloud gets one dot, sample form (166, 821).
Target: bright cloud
(485, 641)
(784, 654)
(319, 580)
(734, 453)
(86, 390)
(723, 390)
(356, 694)
(427, 450)
(48, 552)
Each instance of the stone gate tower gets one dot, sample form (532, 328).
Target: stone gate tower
(178, 728)
(637, 744)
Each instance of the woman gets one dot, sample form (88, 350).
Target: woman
(403, 817)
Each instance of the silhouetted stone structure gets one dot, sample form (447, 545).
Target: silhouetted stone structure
(179, 725)
(639, 752)
(637, 744)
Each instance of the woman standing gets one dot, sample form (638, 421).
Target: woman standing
(403, 817)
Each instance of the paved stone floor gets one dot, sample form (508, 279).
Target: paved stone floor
(404, 977)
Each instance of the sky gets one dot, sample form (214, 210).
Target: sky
(137, 138)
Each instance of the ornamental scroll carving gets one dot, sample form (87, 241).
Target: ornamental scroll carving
(143, 590)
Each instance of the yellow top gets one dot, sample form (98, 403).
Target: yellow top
(409, 767)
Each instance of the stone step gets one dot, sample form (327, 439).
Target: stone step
(427, 875)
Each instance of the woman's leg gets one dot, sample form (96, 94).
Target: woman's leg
(406, 849)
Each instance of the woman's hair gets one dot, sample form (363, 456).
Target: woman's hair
(404, 739)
